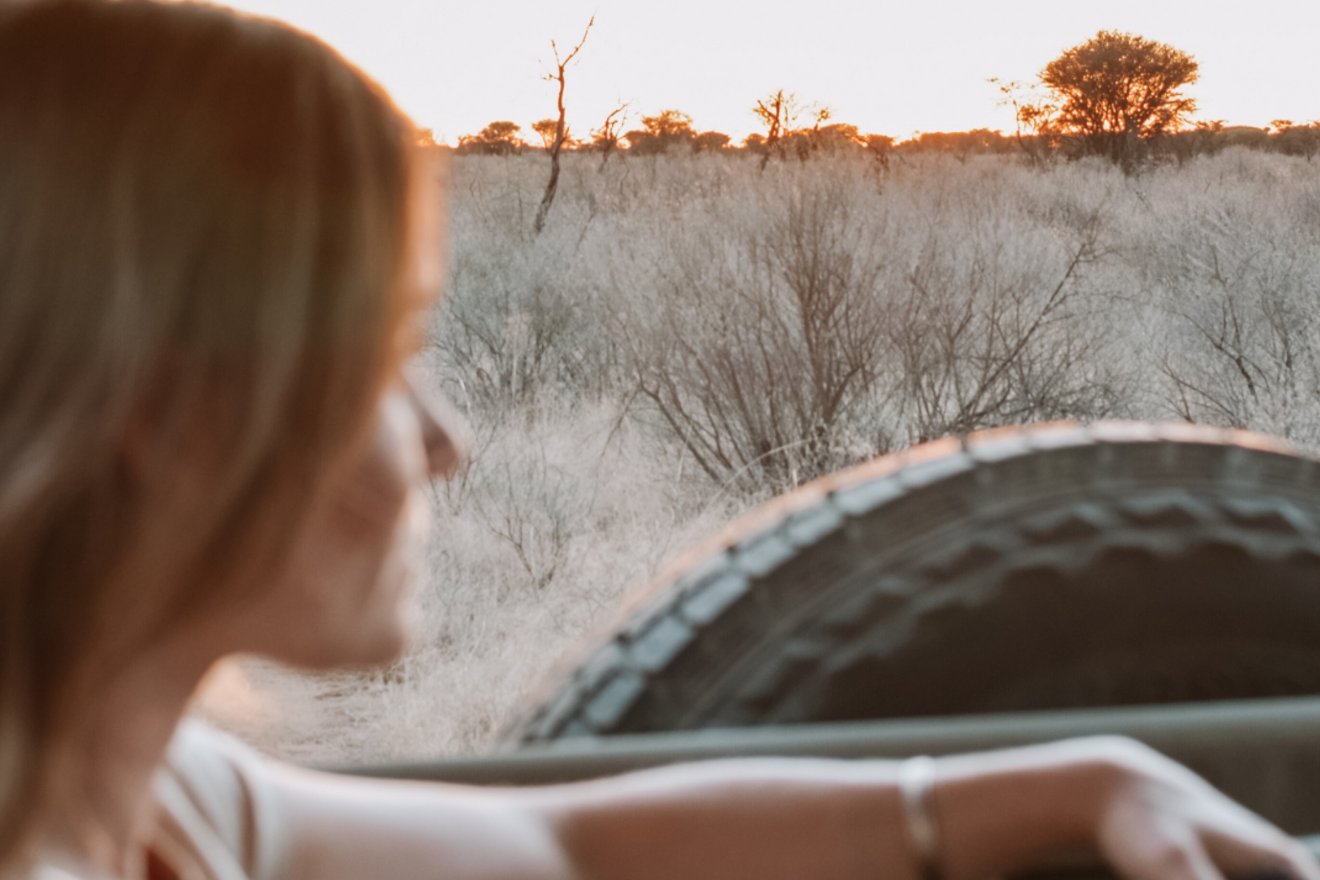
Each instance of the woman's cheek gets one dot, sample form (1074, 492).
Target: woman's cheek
(377, 589)
(359, 565)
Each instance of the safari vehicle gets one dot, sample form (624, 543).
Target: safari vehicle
(1012, 586)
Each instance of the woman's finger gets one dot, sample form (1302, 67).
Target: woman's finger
(1142, 847)
(1281, 858)
(1183, 860)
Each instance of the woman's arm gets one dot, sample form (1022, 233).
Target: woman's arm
(789, 818)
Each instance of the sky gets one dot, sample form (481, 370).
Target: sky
(896, 68)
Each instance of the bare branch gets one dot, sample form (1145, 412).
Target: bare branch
(561, 129)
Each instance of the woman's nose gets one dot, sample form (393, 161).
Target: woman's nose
(445, 435)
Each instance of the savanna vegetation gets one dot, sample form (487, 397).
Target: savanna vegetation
(691, 333)
(1117, 95)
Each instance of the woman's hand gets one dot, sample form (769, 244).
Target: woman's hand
(1160, 821)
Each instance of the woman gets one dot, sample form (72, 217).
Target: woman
(216, 245)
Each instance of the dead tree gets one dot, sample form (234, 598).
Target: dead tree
(561, 130)
(777, 113)
(606, 138)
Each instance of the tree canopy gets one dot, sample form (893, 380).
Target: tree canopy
(1113, 92)
(548, 129)
(499, 138)
(662, 132)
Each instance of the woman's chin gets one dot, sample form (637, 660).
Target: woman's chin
(395, 647)
(368, 646)
(388, 645)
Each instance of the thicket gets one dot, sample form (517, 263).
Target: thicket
(774, 326)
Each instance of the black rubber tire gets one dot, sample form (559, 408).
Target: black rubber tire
(1031, 568)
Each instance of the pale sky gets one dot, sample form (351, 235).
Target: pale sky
(885, 66)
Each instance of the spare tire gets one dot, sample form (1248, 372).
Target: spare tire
(1046, 567)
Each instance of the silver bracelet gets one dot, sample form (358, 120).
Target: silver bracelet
(916, 780)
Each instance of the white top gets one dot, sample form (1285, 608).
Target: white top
(218, 821)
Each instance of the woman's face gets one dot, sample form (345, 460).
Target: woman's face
(348, 596)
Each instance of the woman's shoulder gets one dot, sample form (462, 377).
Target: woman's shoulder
(217, 805)
(219, 764)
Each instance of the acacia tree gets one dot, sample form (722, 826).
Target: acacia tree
(710, 142)
(500, 138)
(661, 133)
(668, 124)
(1295, 139)
(1112, 94)
(548, 129)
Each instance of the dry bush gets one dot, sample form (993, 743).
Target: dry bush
(510, 325)
(998, 315)
(819, 323)
(763, 335)
(1234, 273)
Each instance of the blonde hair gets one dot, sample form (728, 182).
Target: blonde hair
(202, 237)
